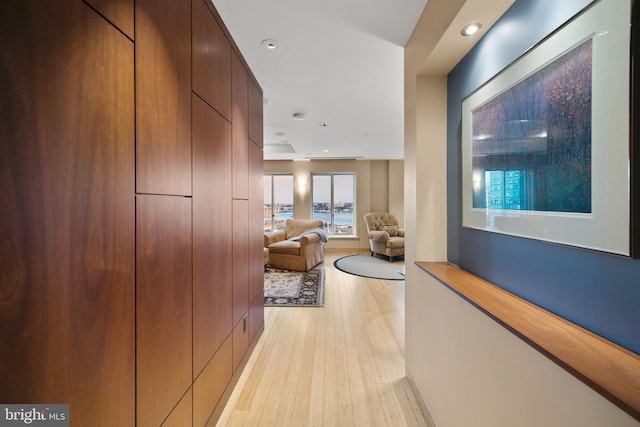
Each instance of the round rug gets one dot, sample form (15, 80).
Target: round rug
(371, 266)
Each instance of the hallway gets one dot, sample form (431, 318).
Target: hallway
(341, 365)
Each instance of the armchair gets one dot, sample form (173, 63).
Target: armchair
(385, 235)
(300, 246)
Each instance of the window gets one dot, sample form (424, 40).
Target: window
(333, 201)
(278, 200)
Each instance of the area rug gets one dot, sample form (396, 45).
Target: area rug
(371, 266)
(287, 288)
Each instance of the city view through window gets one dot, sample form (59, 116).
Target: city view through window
(333, 198)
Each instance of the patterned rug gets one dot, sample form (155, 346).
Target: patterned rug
(286, 288)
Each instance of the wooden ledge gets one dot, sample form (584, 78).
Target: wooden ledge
(608, 368)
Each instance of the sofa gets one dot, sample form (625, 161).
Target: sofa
(300, 246)
(385, 235)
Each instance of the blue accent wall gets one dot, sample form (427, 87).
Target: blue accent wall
(598, 291)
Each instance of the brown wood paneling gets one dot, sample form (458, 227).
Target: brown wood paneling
(182, 414)
(67, 248)
(256, 317)
(240, 259)
(211, 384)
(118, 12)
(212, 238)
(240, 129)
(211, 60)
(255, 113)
(163, 97)
(256, 223)
(163, 305)
(240, 340)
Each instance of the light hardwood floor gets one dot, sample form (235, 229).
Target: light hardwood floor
(339, 365)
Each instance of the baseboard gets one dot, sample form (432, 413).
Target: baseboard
(416, 393)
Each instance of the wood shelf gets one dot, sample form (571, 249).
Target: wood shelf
(608, 368)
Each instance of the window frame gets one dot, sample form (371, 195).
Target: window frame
(272, 201)
(332, 175)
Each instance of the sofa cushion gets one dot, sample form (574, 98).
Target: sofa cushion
(285, 247)
(395, 243)
(391, 229)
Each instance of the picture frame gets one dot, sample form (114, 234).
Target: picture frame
(546, 143)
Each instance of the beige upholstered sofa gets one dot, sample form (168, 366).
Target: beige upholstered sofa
(300, 246)
(385, 235)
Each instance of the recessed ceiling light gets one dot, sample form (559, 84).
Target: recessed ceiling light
(270, 44)
(298, 116)
(325, 151)
(471, 29)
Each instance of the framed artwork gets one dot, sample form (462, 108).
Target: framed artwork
(546, 142)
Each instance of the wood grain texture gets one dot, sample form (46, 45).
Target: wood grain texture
(606, 367)
(212, 233)
(256, 316)
(256, 131)
(163, 97)
(66, 223)
(118, 12)
(182, 414)
(240, 129)
(211, 384)
(240, 342)
(211, 60)
(340, 365)
(256, 236)
(240, 259)
(163, 305)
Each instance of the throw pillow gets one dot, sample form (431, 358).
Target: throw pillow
(391, 229)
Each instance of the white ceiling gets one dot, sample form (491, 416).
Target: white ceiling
(341, 64)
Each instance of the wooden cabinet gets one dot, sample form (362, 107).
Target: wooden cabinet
(119, 12)
(182, 414)
(209, 386)
(163, 305)
(256, 131)
(240, 91)
(163, 97)
(125, 261)
(212, 234)
(211, 60)
(67, 227)
(240, 259)
(256, 232)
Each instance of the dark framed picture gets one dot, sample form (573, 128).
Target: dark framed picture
(546, 150)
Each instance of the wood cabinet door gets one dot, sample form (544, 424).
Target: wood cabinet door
(67, 211)
(212, 233)
(240, 129)
(120, 13)
(256, 131)
(211, 60)
(163, 305)
(163, 97)
(256, 224)
(240, 259)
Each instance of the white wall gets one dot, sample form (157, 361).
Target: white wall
(469, 370)
(473, 372)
